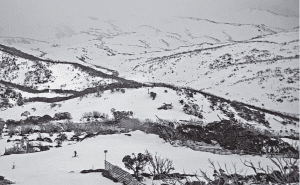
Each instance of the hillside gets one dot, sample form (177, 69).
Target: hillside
(261, 71)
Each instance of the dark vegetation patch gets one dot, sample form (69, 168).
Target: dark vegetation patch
(7, 93)
(230, 135)
(242, 111)
(4, 181)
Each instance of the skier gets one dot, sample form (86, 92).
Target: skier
(75, 154)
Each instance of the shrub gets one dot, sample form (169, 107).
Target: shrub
(26, 129)
(68, 126)
(62, 115)
(87, 115)
(92, 128)
(118, 115)
(96, 114)
(32, 120)
(11, 122)
(4, 103)
(78, 130)
(181, 102)
(50, 128)
(44, 148)
(2, 123)
(192, 109)
(153, 95)
(98, 93)
(60, 139)
(14, 150)
(62, 136)
(131, 124)
(11, 130)
(58, 143)
(165, 106)
(4, 181)
(26, 114)
(149, 126)
(52, 105)
(45, 118)
(40, 137)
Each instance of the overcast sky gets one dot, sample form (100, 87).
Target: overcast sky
(22, 15)
(285, 7)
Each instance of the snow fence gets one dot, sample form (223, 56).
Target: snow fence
(122, 176)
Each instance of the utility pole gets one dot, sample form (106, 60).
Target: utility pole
(105, 151)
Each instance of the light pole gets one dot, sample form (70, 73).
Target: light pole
(105, 151)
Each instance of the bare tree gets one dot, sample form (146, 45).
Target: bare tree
(285, 170)
(159, 165)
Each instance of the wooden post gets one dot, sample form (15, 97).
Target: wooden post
(105, 151)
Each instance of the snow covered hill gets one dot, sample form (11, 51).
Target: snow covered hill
(34, 74)
(107, 32)
(263, 71)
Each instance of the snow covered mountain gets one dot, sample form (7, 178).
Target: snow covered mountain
(244, 54)
(262, 71)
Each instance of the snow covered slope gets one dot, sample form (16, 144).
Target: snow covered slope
(35, 73)
(263, 71)
(143, 107)
(56, 165)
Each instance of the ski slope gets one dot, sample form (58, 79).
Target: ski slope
(57, 166)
